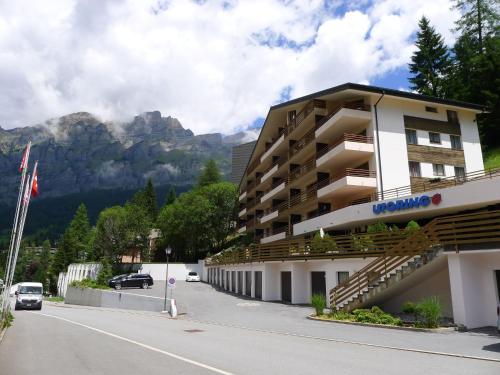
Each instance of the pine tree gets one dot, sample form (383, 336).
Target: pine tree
(79, 230)
(210, 174)
(151, 204)
(171, 197)
(479, 20)
(42, 273)
(430, 63)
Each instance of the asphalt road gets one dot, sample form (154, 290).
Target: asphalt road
(223, 333)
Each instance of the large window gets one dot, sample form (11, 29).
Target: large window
(415, 169)
(456, 142)
(411, 137)
(434, 138)
(438, 169)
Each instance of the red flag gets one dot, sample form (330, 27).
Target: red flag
(34, 188)
(26, 154)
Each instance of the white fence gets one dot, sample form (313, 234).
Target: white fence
(76, 271)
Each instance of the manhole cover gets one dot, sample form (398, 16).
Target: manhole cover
(193, 330)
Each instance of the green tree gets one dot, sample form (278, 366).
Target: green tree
(210, 174)
(430, 63)
(475, 77)
(146, 198)
(171, 197)
(111, 238)
(79, 230)
(479, 21)
(42, 273)
(138, 225)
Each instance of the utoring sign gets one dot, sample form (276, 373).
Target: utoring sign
(406, 204)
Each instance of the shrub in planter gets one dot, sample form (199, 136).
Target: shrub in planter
(323, 245)
(318, 301)
(429, 309)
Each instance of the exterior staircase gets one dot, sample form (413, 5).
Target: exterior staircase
(414, 252)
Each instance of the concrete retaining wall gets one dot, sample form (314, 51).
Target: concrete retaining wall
(118, 300)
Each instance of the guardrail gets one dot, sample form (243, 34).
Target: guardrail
(346, 137)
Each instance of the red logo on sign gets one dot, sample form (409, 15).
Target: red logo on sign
(436, 199)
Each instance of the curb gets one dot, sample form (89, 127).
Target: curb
(410, 329)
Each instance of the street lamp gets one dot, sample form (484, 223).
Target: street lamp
(168, 251)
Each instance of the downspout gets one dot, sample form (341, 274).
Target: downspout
(378, 146)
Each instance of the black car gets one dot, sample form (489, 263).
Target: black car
(133, 280)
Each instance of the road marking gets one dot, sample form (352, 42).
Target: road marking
(135, 294)
(180, 358)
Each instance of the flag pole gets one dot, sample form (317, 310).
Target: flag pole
(23, 167)
(26, 202)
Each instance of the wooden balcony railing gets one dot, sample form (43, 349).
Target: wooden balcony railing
(301, 143)
(298, 172)
(353, 172)
(346, 137)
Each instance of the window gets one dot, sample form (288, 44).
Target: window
(438, 169)
(456, 142)
(342, 276)
(431, 109)
(415, 169)
(452, 117)
(460, 173)
(411, 137)
(434, 138)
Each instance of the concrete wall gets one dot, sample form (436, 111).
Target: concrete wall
(437, 284)
(301, 276)
(118, 300)
(473, 287)
(177, 270)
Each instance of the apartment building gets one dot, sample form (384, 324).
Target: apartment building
(340, 160)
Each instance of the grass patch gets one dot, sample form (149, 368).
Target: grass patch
(88, 283)
(492, 158)
(318, 301)
(7, 322)
(54, 299)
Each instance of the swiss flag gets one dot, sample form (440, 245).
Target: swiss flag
(24, 162)
(34, 187)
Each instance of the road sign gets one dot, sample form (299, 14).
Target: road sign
(171, 282)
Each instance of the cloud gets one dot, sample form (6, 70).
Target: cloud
(215, 65)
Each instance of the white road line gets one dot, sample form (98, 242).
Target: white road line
(180, 358)
(136, 294)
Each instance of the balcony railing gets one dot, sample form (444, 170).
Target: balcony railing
(353, 172)
(298, 172)
(301, 143)
(347, 137)
(356, 106)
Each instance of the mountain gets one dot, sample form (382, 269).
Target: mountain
(79, 153)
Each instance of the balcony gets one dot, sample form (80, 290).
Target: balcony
(351, 181)
(273, 191)
(348, 149)
(242, 212)
(242, 229)
(242, 196)
(346, 117)
(273, 147)
(276, 234)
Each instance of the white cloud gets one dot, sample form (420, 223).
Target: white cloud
(202, 63)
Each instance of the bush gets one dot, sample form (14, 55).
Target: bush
(105, 273)
(378, 227)
(88, 283)
(323, 245)
(375, 316)
(430, 311)
(412, 226)
(318, 301)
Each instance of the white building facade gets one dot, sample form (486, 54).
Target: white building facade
(351, 156)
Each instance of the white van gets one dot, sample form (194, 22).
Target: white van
(29, 296)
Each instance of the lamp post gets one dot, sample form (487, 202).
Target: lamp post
(168, 251)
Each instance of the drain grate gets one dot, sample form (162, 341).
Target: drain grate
(193, 330)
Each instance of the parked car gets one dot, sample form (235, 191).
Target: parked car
(133, 280)
(29, 296)
(193, 276)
